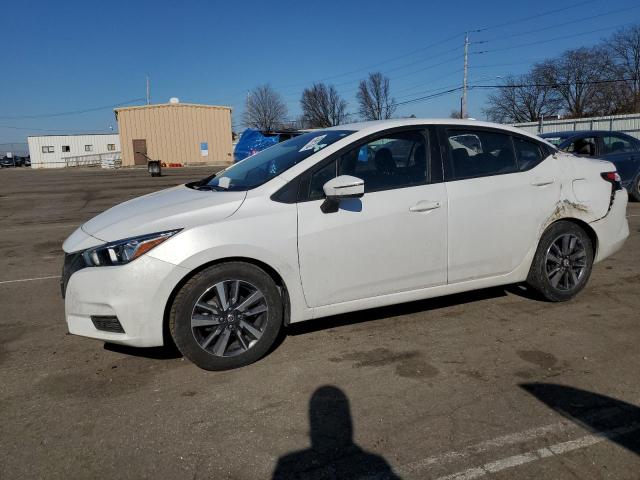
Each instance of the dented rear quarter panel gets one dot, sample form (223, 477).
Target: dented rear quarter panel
(584, 195)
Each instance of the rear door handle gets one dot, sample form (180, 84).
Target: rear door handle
(425, 206)
(541, 182)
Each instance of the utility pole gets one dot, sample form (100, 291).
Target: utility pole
(463, 106)
(148, 90)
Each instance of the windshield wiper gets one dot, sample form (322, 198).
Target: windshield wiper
(214, 188)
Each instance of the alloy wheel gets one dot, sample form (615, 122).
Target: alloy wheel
(229, 318)
(566, 262)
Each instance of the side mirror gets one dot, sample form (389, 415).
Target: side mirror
(340, 188)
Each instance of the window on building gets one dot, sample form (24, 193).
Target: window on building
(88, 148)
(47, 149)
(66, 148)
(111, 147)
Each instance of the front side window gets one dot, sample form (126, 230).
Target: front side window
(529, 153)
(47, 149)
(583, 146)
(257, 169)
(480, 153)
(111, 147)
(616, 144)
(88, 148)
(65, 148)
(395, 160)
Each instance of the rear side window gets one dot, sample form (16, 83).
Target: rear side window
(616, 144)
(528, 153)
(478, 153)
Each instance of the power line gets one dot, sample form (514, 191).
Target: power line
(557, 25)
(530, 17)
(511, 47)
(75, 112)
(556, 85)
(49, 129)
(427, 97)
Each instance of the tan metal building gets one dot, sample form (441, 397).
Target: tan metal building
(175, 133)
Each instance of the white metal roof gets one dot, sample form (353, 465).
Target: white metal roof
(376, 125)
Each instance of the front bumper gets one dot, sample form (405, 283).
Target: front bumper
(613, 229)
(136, 293)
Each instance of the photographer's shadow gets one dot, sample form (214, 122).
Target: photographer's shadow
(332, 455)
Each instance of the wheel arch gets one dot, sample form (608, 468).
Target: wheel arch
(588, 229)
(272, 272)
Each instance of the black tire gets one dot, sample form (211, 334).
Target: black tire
(269, 322)
(634, 191)
(543, 273)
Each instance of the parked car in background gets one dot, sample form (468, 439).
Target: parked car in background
(253, 141)
(339, 220)
(619, 148)
(27, 161)
(8, 162)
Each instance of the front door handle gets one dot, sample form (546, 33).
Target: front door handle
(541, 182)
(425, 206)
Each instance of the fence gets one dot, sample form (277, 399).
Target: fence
(629, 124)
(104, 160)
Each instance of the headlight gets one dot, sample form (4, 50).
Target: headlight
(124, 251)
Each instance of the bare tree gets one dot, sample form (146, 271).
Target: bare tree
(265, 109)
(580, 77)
(455, 114)
(523, 98)
(625, 51)
(374, 97)
(322, 106)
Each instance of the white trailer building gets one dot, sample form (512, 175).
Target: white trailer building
(52, 151)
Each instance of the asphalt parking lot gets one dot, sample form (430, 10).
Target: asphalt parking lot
(489, 384)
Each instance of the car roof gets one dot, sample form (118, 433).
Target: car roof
(377, 125)
(573, 133)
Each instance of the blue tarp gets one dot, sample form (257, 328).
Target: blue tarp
(252, 141)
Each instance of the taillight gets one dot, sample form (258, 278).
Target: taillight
(614, 179)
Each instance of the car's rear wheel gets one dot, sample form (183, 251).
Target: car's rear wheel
(562, 263)
(226, 316)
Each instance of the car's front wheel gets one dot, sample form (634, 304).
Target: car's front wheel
(226, 316)
(562, 263)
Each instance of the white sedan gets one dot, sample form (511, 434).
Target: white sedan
(339, 220)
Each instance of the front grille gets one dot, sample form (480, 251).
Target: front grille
(72, 263)
(107, 323)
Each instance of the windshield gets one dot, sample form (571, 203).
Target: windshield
(263, 166)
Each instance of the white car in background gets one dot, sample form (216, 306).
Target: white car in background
(338, 220)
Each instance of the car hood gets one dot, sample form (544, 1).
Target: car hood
(177, 207)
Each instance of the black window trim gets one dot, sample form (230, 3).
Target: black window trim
(435, 164)
(448, 161)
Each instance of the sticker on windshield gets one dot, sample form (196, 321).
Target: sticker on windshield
(314, 144)
(224, 182)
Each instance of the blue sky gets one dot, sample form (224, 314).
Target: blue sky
(60, 56)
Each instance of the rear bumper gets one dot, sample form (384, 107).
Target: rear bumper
(136, 294)
(613, 229)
